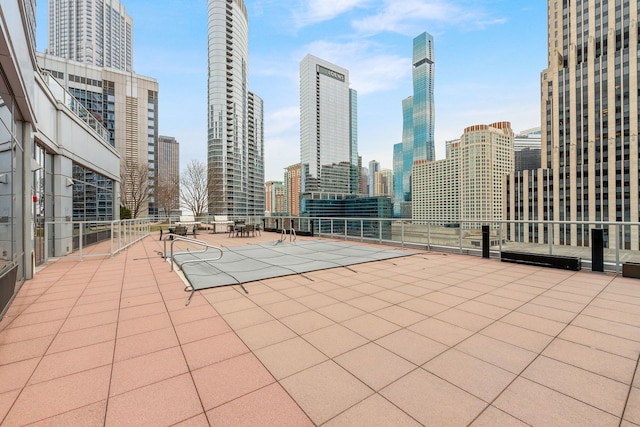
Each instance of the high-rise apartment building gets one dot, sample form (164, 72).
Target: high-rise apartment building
(418, 119)
(328, 128)
(96, 32)
(590, 116)
(126, 104)
(235, 156)
(468, 184)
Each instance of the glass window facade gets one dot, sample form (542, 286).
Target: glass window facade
(92, 195)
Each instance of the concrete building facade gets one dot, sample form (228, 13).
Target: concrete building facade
(468, 184)
(126, 104)
(590, 119)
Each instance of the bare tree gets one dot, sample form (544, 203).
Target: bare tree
(216, 194)
(167, 195)
(193, 188)
(134, 187)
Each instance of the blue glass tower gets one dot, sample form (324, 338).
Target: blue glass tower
(417, 122)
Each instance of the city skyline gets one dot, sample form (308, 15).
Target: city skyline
(488, 68)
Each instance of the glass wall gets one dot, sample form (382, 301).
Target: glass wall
(92, 195)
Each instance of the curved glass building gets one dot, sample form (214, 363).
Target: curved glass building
(230, 149)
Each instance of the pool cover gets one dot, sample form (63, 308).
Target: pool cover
(242, 264)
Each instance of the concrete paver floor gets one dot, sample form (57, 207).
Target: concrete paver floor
(428, 339)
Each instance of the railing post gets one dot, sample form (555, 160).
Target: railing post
(460, 237)
(551, 227)
(46, 242)
(111, 239)
(361, 231)
(80, 235)
(618, 239)
(401, 232)
(429, 236)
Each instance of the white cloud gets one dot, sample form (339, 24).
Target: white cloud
(282, 121)
(315, 11)
(408, 16)
(370, 69)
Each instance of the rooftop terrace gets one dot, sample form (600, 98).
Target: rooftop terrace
(431, 339)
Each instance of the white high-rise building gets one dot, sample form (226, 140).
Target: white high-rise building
(97, 32)
(328, 125)
(467, 185)
(235, 155)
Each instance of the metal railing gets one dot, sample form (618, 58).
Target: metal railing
(72, 238)
(570, 238)
(173, 238)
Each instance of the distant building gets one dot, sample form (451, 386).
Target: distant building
(374, 166)
(97, 32)
(292, 189)
(418, 120)
(527, 150)
(168, 174)
(327, 136)
(235, 157)
(383, 183)
(364, 181)
(274, 198)
(467, 185)
(328, 132)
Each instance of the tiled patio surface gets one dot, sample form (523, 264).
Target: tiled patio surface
(429, 339)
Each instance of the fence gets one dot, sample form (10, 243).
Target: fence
(621, 240)
(72, 238)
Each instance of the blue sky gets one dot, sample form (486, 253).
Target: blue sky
(488, 59)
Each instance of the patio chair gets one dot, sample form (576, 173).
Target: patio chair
(249, 228)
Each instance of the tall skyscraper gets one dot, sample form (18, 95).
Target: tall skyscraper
(235, 156)
(417, 123)
(97, 32)
(328, 128)
(590, 118)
